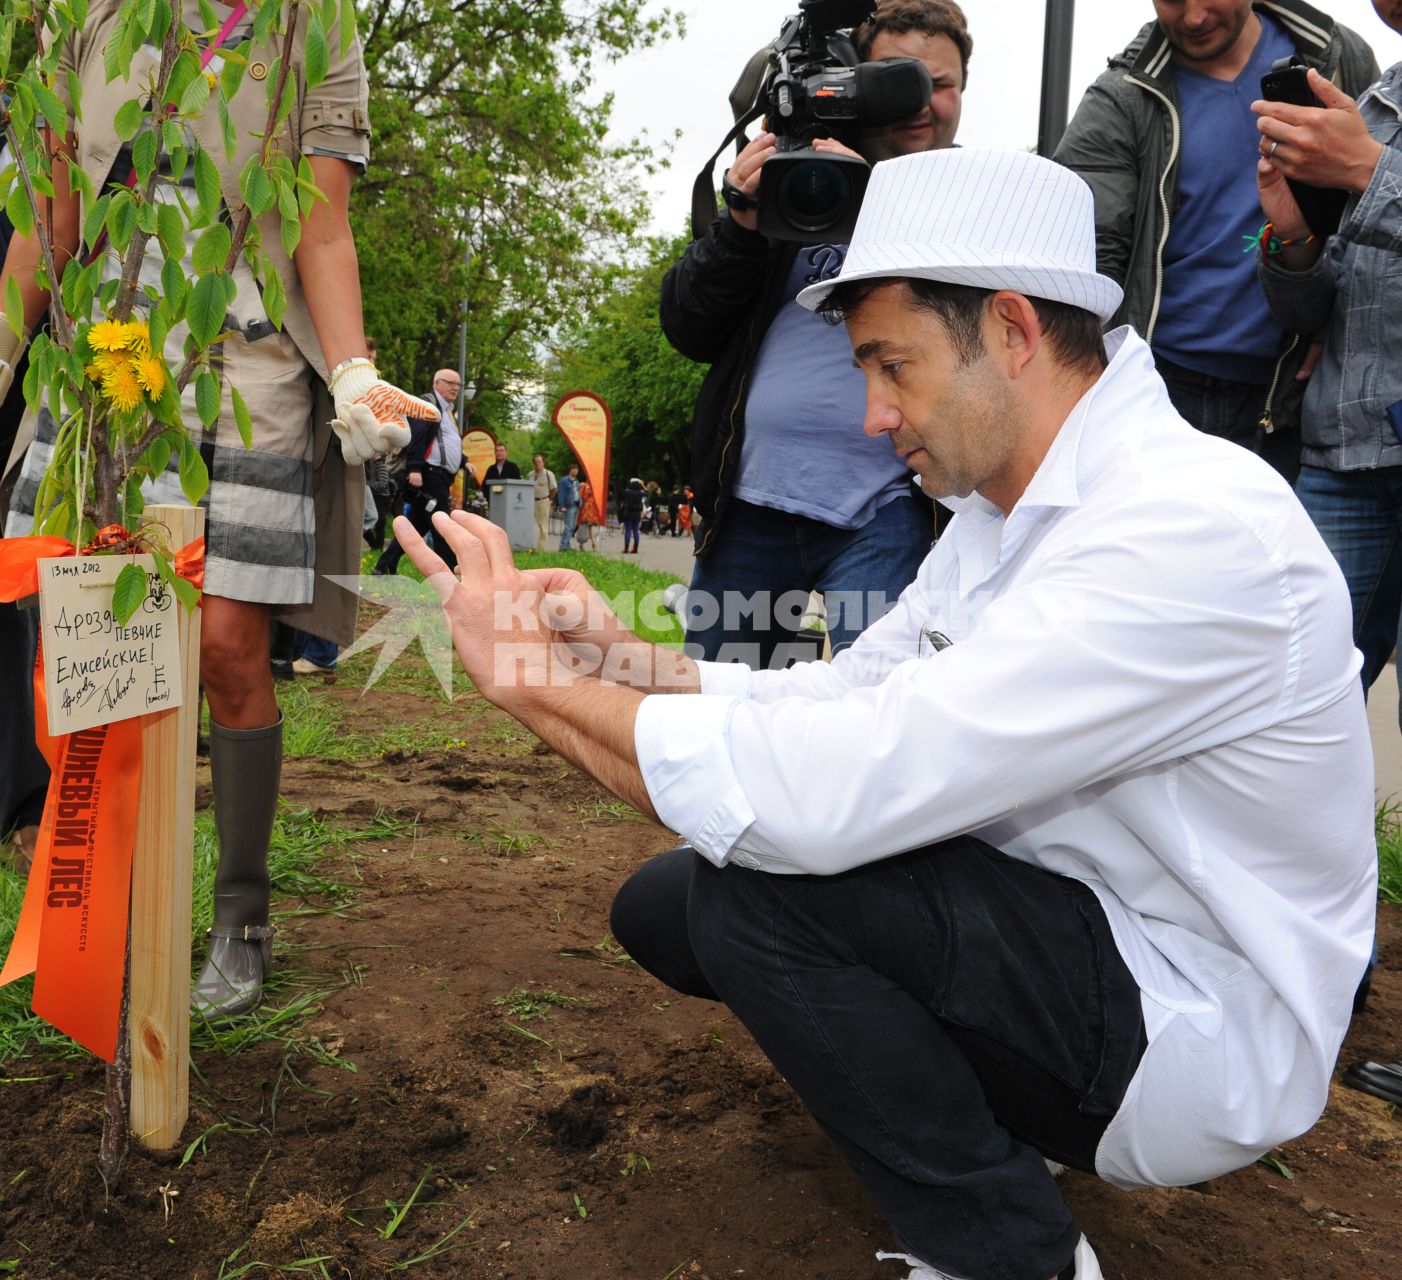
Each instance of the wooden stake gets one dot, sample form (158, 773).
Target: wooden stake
(162, 871)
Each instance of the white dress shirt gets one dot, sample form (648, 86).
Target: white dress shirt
(1151, 687)
(446, 449)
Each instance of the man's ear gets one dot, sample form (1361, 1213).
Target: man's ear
(1013, 331)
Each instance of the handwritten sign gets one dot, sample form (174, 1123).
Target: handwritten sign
(96, 670)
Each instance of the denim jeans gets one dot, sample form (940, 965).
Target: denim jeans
(948, 1016)
(760, 556)
(1359, 516)
(630, 534)
(568, 516)
(1233, 411)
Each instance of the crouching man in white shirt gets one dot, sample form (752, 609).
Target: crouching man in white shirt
(1071, 854)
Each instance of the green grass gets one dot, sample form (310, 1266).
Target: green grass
(315, 725)
(621, 584)
(1389, 829)
(301, 887)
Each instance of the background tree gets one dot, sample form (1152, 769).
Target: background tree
(490, 178)
(618, 351)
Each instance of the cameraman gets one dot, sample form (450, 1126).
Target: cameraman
(791, 499)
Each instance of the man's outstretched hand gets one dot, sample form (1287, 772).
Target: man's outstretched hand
(499, 616)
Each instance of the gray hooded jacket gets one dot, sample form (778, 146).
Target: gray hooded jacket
(1124, 141)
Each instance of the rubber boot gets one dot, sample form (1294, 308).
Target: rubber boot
(245, 766)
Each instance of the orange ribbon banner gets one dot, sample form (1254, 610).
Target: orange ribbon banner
(587, 425)
(72, 925)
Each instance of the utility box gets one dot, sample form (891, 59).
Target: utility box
(511, 506)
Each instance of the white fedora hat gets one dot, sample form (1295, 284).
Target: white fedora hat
(988, 219)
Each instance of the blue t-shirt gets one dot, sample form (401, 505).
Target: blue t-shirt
(1213, 318)
(804, 450)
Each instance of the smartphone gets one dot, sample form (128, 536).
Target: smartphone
(1287, 81)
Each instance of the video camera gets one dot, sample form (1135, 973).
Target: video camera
(810, 83)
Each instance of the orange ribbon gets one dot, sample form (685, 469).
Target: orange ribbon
(72, 926)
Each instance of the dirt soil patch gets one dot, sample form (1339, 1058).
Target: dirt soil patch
(561, 1115)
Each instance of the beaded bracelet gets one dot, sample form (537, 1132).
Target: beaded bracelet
(1270, 244)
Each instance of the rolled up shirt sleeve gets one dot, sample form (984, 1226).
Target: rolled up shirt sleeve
(1121, 656)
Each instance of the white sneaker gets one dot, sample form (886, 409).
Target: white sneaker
(1087, 1265)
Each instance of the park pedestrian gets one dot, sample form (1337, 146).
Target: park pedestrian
(1344, 288)
(1167, 141)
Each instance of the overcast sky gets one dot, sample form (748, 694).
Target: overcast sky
(684, 83)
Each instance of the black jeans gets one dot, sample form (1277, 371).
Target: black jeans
(436, 489)
(1233, 411)
(948, 1016)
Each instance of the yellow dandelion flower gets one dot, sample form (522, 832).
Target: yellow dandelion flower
(93, 372)
(121, 387)
(105, 361)
(140, 336)
(150, 372)
(109, 335)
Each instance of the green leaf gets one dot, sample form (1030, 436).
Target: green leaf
(80, 12)
(207, 397)
(185, 71)
(143, 156)
(121, 220)
(207, 186)
(290, 231)
(128, 592)
(146, 218)
(159, 320)
(20, 210)
(80, 184)
(257, 188)
(317, 53)
(307, 192)
(14, 306)
(263, 20)
(75, 95)
(211, 250)
(274, 297)
(208, 17)
(204, 312)
(159, 24)
(192, 101)
(231, 73)
(128, 120)
(226, 127)
(170, 227)
(174, 286)
(347, 25)
(51, 105)
(242, 417)
(194, 475)
(115, 53)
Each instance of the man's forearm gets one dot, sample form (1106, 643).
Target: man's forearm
(590, 724)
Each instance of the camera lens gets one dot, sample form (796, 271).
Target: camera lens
(814, 195)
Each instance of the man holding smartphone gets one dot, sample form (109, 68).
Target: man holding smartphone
(1165, 137)
(1345, 289)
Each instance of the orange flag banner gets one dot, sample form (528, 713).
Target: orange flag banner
(72, 927)
(480, 449)
(586, 423)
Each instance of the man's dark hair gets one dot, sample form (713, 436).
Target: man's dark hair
(929, 17)
(1073, 333)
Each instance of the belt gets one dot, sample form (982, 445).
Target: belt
(253, 331)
